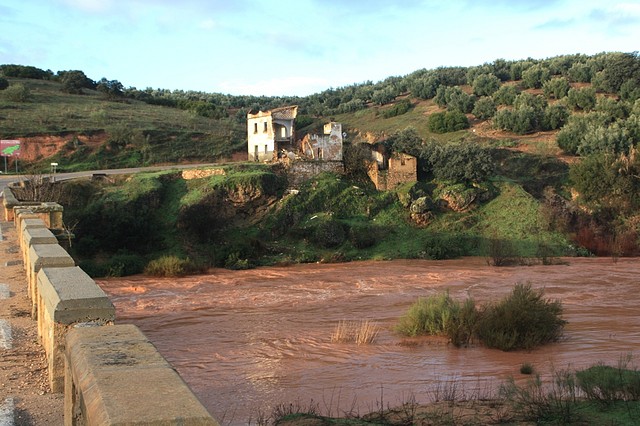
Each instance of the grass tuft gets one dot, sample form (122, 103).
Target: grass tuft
(362, 332)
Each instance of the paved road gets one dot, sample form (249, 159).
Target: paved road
(6, 179)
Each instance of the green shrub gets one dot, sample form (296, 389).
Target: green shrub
(4, 83)
(462, 326)
(17, 92)
(169, 266)
(429, 315)
(526, 368)
(506, 94)
(582, 98)
(397, 109)
(448, 121)
(606, 384)
(364, 235)
(485, 108)
(522, 320)
(557, 87)
(329, 233)
(235, 262)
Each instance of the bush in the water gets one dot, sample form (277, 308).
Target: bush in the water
(169, 266)
(430, 315)
(522, 320)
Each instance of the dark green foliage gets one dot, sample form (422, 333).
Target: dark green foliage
(606, 384)
(630, 90)
(454, 98)
(74, 81)
(522, 320)
(111, 89)
(123, 219)
(383, 96)
(459, 162)
(328, 233)
(604, 180)
(555, 116)
(169, 266)
(462, 326)
(485, 108)
(443, 246)
(448, 121)
(618, 68)
(424, 87)
(611, 110)
(407, 141)
(22, 71)
(535, 76)
(526, 368)
(119, 265)
(557, 88)
(526, 116)
(17, 92)
(580, 72)
(397, 109)
(517, 68)
(356, 161)
(365, 235)
(584, 98)
(4, 83)
(506, 94)
(451, 76)
(430, 315)
(485, 85)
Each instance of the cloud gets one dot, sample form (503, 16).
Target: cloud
(556, 24)
(369, 7)
(208, 24)
(621, 14)
(90, 6)
(514, 5)
(126, 6)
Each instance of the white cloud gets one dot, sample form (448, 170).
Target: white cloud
(208, 24)
(628, 8)
(93, 6)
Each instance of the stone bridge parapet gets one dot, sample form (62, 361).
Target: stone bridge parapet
(110, 374)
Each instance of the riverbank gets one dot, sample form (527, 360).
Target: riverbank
(25, 397)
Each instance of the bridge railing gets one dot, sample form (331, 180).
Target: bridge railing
(110, 374)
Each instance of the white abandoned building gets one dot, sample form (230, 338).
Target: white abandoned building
(270, 131)
(271, 136)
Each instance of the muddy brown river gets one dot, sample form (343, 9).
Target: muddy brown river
(245, 341)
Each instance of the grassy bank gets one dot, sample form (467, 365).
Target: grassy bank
(242, 217)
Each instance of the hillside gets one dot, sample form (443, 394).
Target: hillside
(517, 159)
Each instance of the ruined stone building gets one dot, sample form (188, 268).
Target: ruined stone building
(270, 132)
(388, 171)
(327, 146)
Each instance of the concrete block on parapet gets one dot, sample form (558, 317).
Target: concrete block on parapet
(67, 296)
(115, 376)
(44, 256)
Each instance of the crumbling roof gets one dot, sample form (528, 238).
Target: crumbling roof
(285, 113)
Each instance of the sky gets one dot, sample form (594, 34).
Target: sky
(299, 47)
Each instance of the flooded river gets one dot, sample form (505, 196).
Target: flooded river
(247, 340)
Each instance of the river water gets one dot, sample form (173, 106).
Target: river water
(246, 341)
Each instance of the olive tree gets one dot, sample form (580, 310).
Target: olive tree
(485, 85)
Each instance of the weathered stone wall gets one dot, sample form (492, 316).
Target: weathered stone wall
(111, 375)
(301, 171)
(402, 168)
